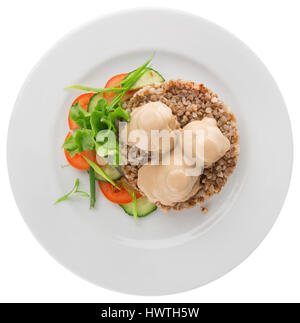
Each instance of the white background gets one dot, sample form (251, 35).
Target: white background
(270, 28)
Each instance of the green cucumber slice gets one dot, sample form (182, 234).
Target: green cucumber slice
(144, 207)
(148, 78)
(110, 171)
(93, 101)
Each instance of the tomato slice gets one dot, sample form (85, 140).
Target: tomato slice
(109, 96)
(84, 101)
(78, 161)
(116, 196)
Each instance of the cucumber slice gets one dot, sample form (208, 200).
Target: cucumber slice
(148, 78)
(110, 171)
(93, 101)
(144, 207)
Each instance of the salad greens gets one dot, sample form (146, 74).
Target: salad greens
(91, 124)
(81, 140)
(80, 116)
(98, 130)
(74, 192)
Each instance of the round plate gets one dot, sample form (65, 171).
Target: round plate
(162, 253)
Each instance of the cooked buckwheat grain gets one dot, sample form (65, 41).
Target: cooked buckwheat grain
(190, 101)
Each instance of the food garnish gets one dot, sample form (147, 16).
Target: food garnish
(74, 192)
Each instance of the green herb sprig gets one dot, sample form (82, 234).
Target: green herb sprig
(92, 187)
(101, 172)
(74, 192)
(126, 84)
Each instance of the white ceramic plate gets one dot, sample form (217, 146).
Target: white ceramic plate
(162, 253)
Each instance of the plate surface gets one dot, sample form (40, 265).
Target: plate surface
(162, 253)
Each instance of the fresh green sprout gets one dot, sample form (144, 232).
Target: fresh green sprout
(74, 192)
(101, 172)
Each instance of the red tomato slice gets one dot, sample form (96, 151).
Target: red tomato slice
(116, 196)
(78, 161)
(111, 83)
(84, 101)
